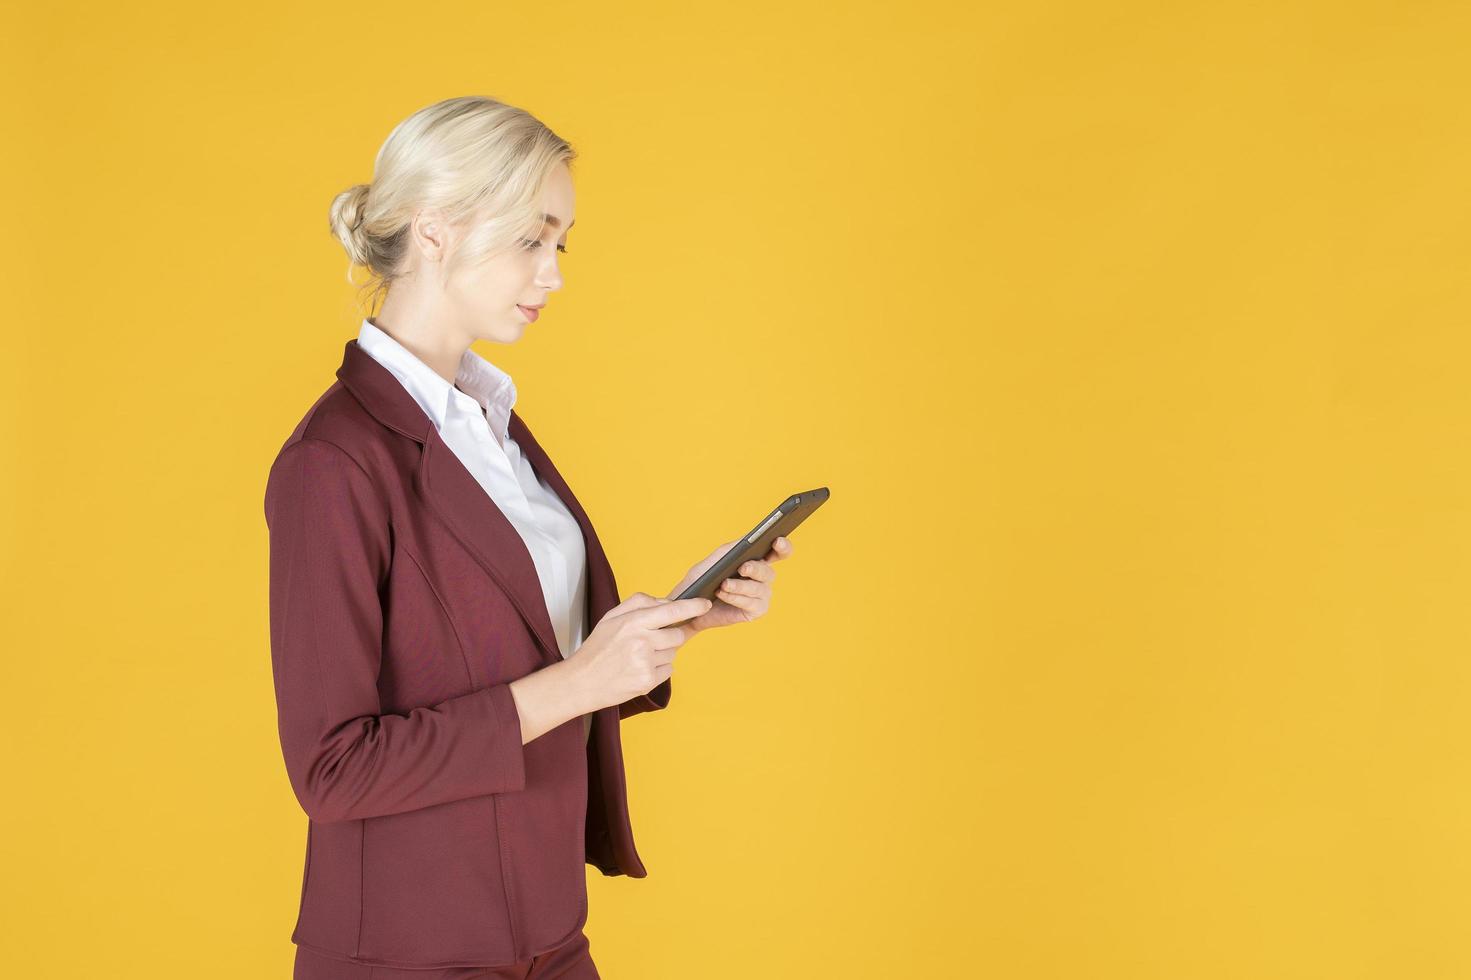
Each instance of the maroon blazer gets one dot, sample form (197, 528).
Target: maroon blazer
(402, 604)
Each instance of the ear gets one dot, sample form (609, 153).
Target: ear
(428, 234)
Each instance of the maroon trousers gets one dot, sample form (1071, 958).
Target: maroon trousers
(569, 961)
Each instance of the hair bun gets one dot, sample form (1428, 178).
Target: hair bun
(357, 204)
(346, 217)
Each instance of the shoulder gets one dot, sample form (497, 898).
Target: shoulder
(339, 418)
(338, 433)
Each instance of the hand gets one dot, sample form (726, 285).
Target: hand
(631, 649)
(738, 600)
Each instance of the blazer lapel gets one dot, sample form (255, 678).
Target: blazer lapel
(467, 510)
(453, 494)
(602, 589)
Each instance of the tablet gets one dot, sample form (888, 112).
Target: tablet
(780, 523)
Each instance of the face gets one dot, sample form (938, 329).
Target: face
(484, 301)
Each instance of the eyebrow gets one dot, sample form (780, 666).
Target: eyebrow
(556, 222)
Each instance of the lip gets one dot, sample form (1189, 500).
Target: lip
(530, 312)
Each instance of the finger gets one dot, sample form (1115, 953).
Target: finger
(741, 586)
(746, 598)
(747, 602)
(780, 548)
(760, 571)
(669, 638)
(673, 611)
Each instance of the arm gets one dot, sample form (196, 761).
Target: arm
(329, 553)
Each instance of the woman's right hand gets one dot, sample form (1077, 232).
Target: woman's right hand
(631, 650)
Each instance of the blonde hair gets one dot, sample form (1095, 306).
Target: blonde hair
(483, 162)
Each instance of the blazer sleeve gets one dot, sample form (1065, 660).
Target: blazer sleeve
(652, 701)
(330, 551)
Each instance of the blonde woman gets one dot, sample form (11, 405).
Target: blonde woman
(450, 655)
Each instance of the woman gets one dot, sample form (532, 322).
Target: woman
(448, 721)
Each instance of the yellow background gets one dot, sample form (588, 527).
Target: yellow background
(1129, 337)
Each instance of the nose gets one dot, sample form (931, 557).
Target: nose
(549, 277)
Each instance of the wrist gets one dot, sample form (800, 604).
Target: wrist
(580, 693)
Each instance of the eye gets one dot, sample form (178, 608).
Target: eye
(530, 244)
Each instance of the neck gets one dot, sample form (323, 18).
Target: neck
(437, 347)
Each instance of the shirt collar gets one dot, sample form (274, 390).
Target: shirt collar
(479, 381)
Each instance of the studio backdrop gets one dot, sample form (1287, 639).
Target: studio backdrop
(1130, 340)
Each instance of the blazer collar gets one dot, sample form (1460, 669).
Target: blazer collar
(463, 506)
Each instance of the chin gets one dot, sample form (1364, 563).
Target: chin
(498, 334)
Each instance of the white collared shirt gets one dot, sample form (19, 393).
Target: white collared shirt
(473, 416)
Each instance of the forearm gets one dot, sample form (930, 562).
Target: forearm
(550, 697)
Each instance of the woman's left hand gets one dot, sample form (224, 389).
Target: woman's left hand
(738, 600)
